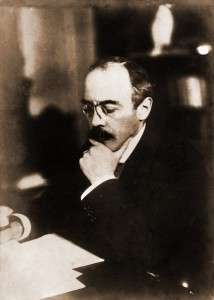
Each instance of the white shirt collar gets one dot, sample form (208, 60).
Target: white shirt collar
(132, 145)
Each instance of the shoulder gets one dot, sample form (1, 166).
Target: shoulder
(180, 157)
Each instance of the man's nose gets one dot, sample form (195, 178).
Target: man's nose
(98, 118)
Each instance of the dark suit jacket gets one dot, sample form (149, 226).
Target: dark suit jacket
(152, 219)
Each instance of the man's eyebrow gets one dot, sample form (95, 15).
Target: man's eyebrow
(115, 102)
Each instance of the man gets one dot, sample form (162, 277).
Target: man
(144, 203)
(139, 205)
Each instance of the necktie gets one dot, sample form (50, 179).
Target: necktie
(119, 169)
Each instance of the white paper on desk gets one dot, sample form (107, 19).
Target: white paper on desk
(41, 268)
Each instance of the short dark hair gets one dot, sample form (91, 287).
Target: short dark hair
(138, 76)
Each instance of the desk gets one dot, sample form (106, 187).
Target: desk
(41, 268)
(53, 268)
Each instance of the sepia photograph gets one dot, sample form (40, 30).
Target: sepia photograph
(106, 150)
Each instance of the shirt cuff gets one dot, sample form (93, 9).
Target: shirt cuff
(93, 186)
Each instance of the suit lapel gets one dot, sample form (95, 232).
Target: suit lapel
(140, 161)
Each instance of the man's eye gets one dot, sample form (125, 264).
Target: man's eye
(108, 109)
(87, 108)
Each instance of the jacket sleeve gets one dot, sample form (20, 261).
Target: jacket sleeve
(116, 222)
(158, 221)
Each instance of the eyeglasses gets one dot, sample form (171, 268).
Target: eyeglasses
(106, 108)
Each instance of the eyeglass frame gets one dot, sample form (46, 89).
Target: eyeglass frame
(95, 105)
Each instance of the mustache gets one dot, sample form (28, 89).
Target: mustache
(100, 135)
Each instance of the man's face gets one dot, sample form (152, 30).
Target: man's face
(108, 106)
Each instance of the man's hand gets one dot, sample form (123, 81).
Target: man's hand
(14, 232)
(99, 161)
(17, 229)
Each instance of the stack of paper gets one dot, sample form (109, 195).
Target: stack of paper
(41, 268)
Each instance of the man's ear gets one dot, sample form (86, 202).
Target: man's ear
(144, 109)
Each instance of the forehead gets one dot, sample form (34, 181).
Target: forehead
(112, 83)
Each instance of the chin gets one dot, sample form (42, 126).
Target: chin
(112, 145)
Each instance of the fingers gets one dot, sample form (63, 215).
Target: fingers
(97, 146)
(81, 161)
(95, 143)
(5, 235)
(117, 154)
